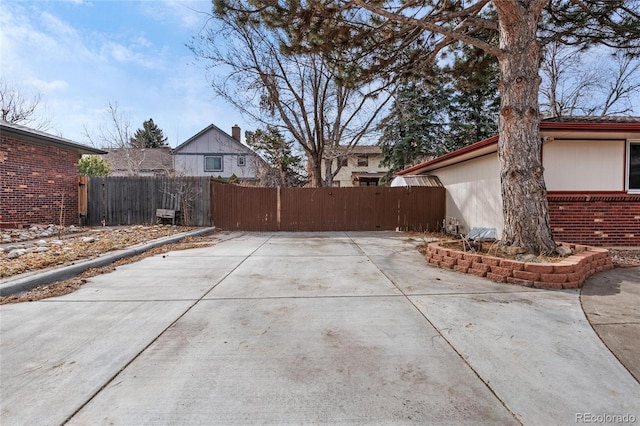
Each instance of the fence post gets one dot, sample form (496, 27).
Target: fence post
(278, 207)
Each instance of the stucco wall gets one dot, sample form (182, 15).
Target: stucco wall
(38, 183)
(473, 192)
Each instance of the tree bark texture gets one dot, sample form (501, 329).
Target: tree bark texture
(524, 195)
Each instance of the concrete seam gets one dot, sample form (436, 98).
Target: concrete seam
(155, 339)
(515, 416)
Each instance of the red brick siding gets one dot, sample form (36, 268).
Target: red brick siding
(598, 220)
(33, 180)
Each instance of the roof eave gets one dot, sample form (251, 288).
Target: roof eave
(604, 127)
(41, 137)
(467, 149)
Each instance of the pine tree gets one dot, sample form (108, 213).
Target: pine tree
(150, 136)
(475, 104)
(287, 167)
(458, 106)
(523, 27)
(415, 128)
(91, 165)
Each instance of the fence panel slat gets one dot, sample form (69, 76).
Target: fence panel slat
(327, 209)
(133, 200)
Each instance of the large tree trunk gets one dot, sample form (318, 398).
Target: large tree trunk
(524, 195)
(316, 172)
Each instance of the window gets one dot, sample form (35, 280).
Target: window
(213, 163)
(344, 162)
(241, 160)
(363, 161)
(634, 166)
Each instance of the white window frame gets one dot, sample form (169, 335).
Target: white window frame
(242, 161)
(214, 169)
(628, 168)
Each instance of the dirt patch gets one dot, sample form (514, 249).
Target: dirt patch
(43, 253)
(492, 249)
(61, 288)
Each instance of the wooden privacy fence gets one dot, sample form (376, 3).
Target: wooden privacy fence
(129, 200)
(327, 209)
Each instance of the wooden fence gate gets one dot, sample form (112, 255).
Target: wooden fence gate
(327, 209)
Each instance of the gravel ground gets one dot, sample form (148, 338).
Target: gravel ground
(41, 248)
(105, 240)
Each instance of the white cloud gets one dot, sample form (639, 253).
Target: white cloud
(190, 14)
(78, 70)
(48, 87)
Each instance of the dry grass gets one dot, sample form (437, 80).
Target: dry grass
(106, 240)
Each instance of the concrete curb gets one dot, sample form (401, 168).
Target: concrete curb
(27, 283)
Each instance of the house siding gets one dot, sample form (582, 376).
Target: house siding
(38, 183)
(473, 192)
(584, 165)
(344, 176)
(189, 159)
(474, 198)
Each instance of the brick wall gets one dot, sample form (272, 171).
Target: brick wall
(599, 220)
(34, 180)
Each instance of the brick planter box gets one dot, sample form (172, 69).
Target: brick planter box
(571, 272)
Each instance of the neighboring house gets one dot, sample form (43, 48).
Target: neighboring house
(212, 152)
(139, 162)
(592, 175)
(360, 166)
(39, 178)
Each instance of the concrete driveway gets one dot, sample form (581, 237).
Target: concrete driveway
(318, 328)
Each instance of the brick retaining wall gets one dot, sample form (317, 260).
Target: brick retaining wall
(571, 272)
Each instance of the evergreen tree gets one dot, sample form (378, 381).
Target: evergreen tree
(475, 104)
(150, 136)
(287, 167)
(457, 107)
(91, 165)
(415, 128)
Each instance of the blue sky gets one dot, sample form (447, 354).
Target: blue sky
(79, 55)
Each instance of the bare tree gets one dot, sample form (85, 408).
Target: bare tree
(115, 134)
(302, 94)
(17, 108)
(623, 87)
(571, 85)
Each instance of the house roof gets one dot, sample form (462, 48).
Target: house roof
(150, 158)
(40, 137)
(205, 130)
(489, 145)
(360, 149)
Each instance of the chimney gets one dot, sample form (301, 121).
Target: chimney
(235, 132)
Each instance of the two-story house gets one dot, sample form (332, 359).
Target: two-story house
(212, 152)
(360, 166)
